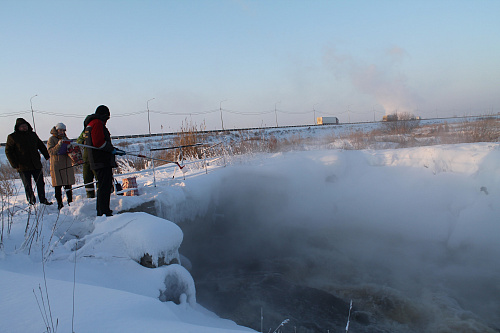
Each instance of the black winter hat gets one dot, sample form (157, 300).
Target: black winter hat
(102, 110)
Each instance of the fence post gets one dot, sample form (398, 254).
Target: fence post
(205, 160)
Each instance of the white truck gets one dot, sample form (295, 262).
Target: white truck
(327, 121)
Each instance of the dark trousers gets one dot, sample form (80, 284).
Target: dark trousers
(88, 177)
(58, 194)
(104, 189)
(37, 175)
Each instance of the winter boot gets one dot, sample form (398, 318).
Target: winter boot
(69, 195)
(58, 195)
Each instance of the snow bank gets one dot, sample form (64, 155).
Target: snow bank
(134, 234)
(139, 236)
(98, 309)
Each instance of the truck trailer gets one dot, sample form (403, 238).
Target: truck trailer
(327, 121)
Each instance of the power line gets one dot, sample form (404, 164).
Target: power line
(67, 115)
(184, 113)
(169, 113)
(248, 113)
(2, 115)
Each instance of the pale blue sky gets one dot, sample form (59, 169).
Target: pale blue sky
(369, 57)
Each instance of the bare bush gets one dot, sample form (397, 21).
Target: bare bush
(295, 141)
(131, 164)
(357, 140)
(123, 143)
(401, 123)
(484, 129)
(481, 130)
(7, 177)
(8, 190)
(189, 135)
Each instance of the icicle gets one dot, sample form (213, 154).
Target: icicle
(349, 317)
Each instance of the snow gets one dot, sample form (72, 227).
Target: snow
(419, 220)
(133, 234)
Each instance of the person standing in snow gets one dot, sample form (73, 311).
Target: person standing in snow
(61, 166)
(23, 148)
(88, 174)
(101, 157)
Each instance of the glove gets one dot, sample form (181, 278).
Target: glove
(118, 152)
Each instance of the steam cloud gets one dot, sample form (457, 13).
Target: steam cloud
(366, 233)
(382, 79)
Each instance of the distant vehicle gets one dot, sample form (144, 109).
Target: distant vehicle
(327, 121)
(390, 117)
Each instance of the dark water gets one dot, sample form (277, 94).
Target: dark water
(257, 251)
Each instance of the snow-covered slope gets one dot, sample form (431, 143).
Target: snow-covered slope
(420, 222)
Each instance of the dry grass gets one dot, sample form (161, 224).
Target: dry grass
(132, 163)
(357, 140)
(7, 177)
(8, 191)
(481, 130)
(484, 129)
(123, 144)
(405, 123)
(189, 134)
(394, 134)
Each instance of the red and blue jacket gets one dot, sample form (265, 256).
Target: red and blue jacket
(98, 136)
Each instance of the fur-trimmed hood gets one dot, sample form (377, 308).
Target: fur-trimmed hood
(19, 122)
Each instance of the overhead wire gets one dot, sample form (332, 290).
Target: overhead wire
(67, 115)
(183, 113)
(289, 112)
(247, 113)
(2, 115)
(241, 113)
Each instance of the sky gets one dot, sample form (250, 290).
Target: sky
(237, 63)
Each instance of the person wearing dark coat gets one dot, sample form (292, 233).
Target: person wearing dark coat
(101, 157)
(23, 148)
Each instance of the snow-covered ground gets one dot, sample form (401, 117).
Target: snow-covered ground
(422, 223)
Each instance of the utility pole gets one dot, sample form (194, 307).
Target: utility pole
(349, 113)
(276, 113)
(32, 115)
(220, 108)
(149, 123)
(150, 152)
(314, 112)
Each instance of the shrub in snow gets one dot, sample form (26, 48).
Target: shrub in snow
(147, 261)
